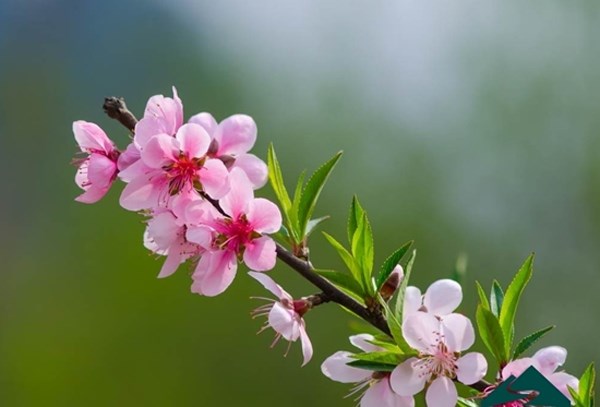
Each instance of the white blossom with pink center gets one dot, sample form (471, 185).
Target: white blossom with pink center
(284, 315)
(175, 165)
(98, 169)
(546, 361)
(379, 392)
(231, 141)
(165, 236)
(241, 234)
(439, 342)
(441, 298)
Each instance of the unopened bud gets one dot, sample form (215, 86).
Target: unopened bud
(392, 283)
(302, 306)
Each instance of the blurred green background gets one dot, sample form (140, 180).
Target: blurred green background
(470, 128)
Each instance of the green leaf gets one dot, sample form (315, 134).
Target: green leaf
(356, 211)
(343, 280)
(529, 340)
(298, 191)
(390, 263)
(402, 289)
(376, 366)
(346, 257)
(576, 398)
(463, 402)
(385, 344)
(491, 333)
(587, 383)
(313, 223)
(511, 300)
(312, 190)
(483, 300)
(362, 251)
(496, 298)
(276, 179)
(393, 358)
(396, 330)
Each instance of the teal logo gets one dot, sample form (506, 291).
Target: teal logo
(531, 388)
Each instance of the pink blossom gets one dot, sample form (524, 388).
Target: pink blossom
(546, 361)
(284, 315)
(165, 236)
(98, 170)
(175, 165)
(379, 392)
(231, 141)
(439, 342)
(441, 298)
(240, 234)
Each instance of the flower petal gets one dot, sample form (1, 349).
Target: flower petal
(407, 379)
(254, 167)
(163, 230)
(168, 111)
(561, 380)
(201, 235)
(442, 297)
(422, 331)
(141, 193)
(441, 393)
(240, 195)
(283, 321)
(459, 334)
(264, 216)
(236, 135)
(101, 170)
(517, 367)
(260, 254)
(550, 358)
(205, 120)
(269, 284)
(307, 349)
(92, 194)
(412, 301)
(91, 137)
(146, 128)
(361, 341)
(193, 140)
(380, 394)
(161, 150)
(218, 275)
(172, 262)
(471, 368)
(128, 157)
(336, 368)
(214, 178)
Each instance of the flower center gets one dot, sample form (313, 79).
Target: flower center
(184, 171)
(440, 362)
(236, 234)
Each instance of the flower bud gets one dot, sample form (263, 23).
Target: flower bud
(392, 283)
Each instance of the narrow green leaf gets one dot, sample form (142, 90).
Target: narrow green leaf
(346, 257)
(483, 300)
(362, 251)
(587, 383)
(298, 191)
(386, 344)
(491, 333)
(312, 190)
(276, 179)
(342, 280)
(375, 366)
(511, 300)
(402, 289)
(313, 223)
(380, 356)
(390, 263)
(496, 298)
(576, 398)
(396, 330)
(356, 211)
(463, 402)
(529, 340)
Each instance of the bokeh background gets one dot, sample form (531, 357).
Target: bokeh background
(468, 127)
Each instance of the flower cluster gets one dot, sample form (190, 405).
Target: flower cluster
(195, 182)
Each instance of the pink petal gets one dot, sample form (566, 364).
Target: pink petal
(283, 321)
(219, 274)
(260, 254)
(471, 368)
(201, 212)
(441, 393)
(458, 331)
(264, 216)
(562, 380)
(361, 341)
(179, 107)
(180, 203)
(168, 111)
(517, 367)
(101, 170)
(136, 169)
(442, 297)
(236, 135)
(163, 230)
(214, 178)
(422, 331)
(128, 157)
(92, 195)
(307, 349)
(205, 120)
(550, 358)
(193, 140)
(412, 301)
(147, 128)
(380, 394)
(140, 194)
(161, 150)
(255, 169)
(91, 137)
(336, 368)
(238, 199)
(407, 379)
(174, 259)
(269, 284)
(201, 235)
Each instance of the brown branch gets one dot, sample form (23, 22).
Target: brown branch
(116, 108)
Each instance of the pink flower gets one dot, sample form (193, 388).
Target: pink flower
(439, 342)
(98, 170)
(175, 165)
(441, 298)
(241, 234)
(284, 315)
(379, 392)
(546, 361)
(165, 235)
(231, 141)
